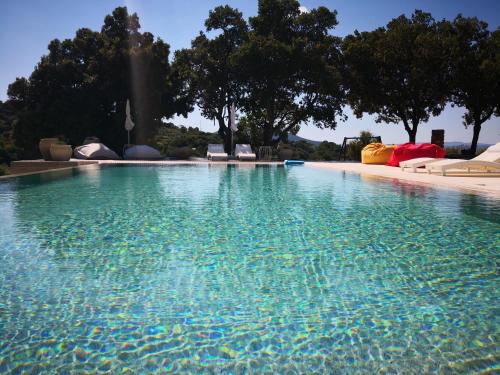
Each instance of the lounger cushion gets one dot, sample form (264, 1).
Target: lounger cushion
(409, 151)
(376, 153)
(244, 151)
(141, 152)
(95, 151)
(216, 152)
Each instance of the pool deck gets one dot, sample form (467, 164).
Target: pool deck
(482, 183)
(23, 167)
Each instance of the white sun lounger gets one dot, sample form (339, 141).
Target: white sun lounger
(417, 163)
(244, 152)
(216, 152)
(488, 161)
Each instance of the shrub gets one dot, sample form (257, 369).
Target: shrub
(457, 152)
(182, 142)
(354, 148)
(285, 152)
(3, 170)
(7, 152)
(308, 151)
(181, 152)
(325, 151)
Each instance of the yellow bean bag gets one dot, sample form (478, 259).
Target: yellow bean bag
(376, 153)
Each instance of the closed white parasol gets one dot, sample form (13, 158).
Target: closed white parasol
(129, 124)
(232, 122)
(232, 118)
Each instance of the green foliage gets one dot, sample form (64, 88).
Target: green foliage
(454, 152)
(248, 132)
(326, 151)
(289, 70)
(366, 137)
(209, 70)
(81, 86)
(355, 147)
(3, 170)
(5, 120)
(182, 142)
(495, 40)
(457, 152)
(8, 151)
(303, 150)
(474, 54)
(398, 72)
(282, 69)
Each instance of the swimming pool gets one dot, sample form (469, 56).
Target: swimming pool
(245, 269)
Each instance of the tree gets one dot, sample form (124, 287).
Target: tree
(495, 39)
(182, 142)
(326, 151)
(81, 86)
(7, 150)
(475, 65)
(5, 119)
(398, 72)
(355, 147)
(289, 70)
(209, 70)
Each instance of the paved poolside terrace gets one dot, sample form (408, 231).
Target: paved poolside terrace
(482, 183)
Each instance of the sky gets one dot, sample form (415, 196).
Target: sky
(27, 26)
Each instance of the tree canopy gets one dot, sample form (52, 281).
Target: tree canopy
(81, 86)
(282, 69)
(474, 54)
(398, 72)
(289, 69)
(208, 68)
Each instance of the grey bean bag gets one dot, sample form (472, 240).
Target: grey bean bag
(95, 151)
(141, 152)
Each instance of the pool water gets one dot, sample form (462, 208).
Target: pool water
(217, 269)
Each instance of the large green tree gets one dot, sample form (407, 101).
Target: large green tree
(7, 150)
(209, 70)
(81, 86)
(289, 70)
(475, 65)
(495, 40)
(398, 72)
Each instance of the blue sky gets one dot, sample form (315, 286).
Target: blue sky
(27, 26)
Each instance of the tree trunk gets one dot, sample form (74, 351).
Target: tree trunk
(412, 132)
(268, 135)
(225, 133)
(475, 136)
(412, 136)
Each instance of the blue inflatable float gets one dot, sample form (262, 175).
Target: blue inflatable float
(294, 162)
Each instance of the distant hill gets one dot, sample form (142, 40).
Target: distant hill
(464, 144)
(296, 138)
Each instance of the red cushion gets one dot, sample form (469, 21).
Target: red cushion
(409, 151)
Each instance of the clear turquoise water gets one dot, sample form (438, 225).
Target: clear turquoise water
(208, 269)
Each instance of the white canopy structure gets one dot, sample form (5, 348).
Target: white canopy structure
(129, 124)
